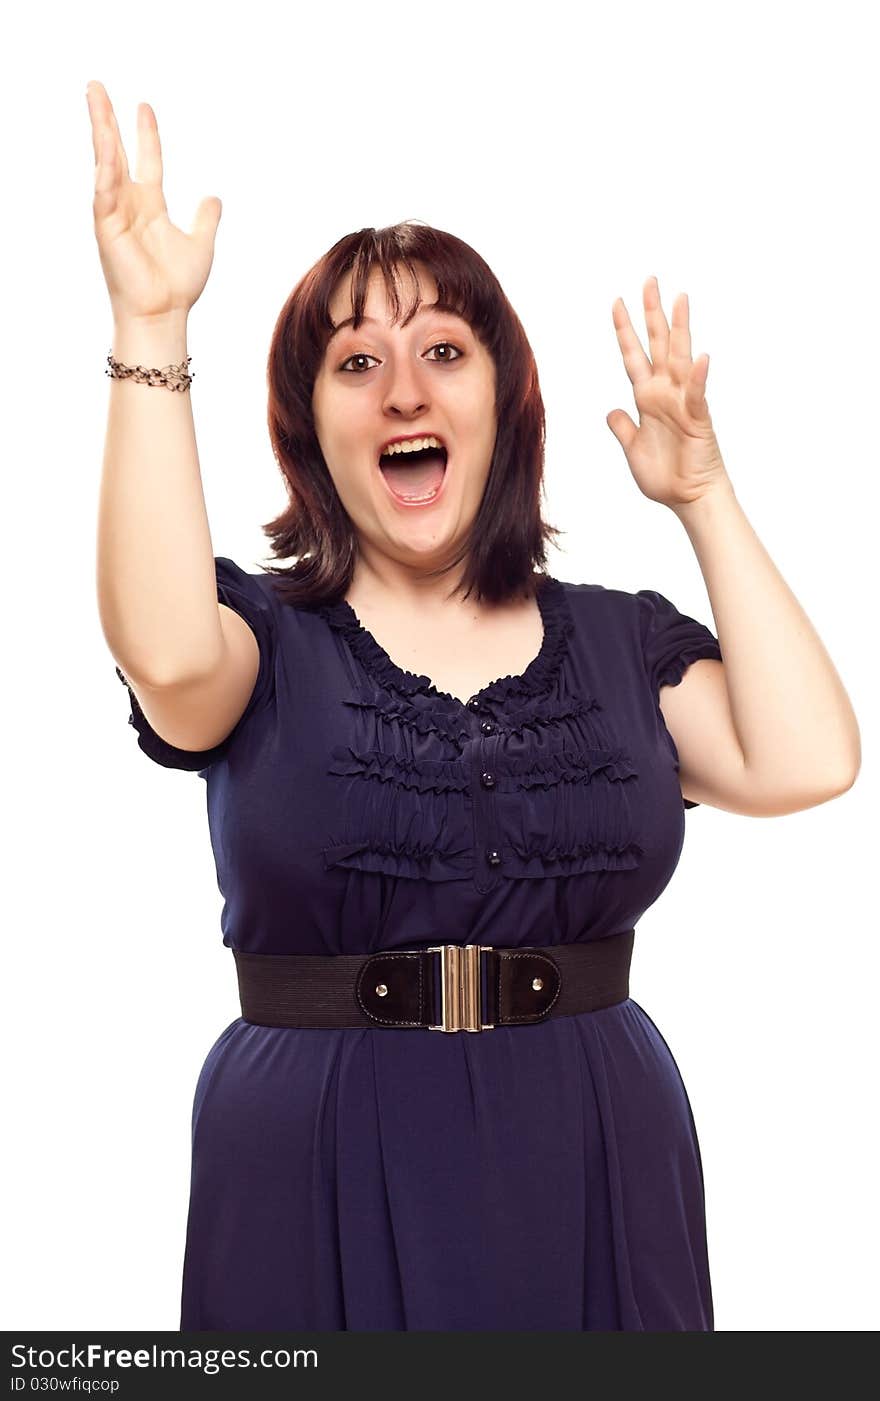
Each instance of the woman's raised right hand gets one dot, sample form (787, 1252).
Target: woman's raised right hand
(152, 268)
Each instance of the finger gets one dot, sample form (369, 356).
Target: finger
(636, 362)
(107, 174)
(96, 116)
(93, 120)
(680, 335)
(149, 149)
(658, 330)
(207, 218)
(695, 389)
(107, 117)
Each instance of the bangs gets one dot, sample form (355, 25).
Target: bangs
(392, 253)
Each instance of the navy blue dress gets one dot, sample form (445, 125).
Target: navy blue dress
(535, 1177)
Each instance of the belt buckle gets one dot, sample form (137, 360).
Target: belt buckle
(461, 986)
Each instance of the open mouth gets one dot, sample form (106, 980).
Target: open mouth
(415, 478)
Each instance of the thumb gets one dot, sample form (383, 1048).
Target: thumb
(207, 218)
(622, 427)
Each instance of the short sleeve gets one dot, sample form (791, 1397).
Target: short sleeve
(247, 596)
(670, 642)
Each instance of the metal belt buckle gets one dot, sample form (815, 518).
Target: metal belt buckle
(461, 986)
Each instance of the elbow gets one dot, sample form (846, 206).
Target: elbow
(851, 776)
(777, 799)
(849, 771)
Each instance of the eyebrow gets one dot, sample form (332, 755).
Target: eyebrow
(424, 309)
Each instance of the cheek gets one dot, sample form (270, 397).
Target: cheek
(352, 483)
(322, 401)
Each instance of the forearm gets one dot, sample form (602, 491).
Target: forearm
(792, 715)
(157, 596)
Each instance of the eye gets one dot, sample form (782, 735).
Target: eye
(362, 355)
(447, 345)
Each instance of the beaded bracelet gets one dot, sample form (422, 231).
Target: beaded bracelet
(178, 378)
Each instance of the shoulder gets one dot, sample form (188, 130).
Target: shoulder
(595, 603)
(597, 593)
(258, 594)
(249, 595)
(648, 610)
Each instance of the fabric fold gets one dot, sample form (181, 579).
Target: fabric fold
(549, 593)
(411, 815)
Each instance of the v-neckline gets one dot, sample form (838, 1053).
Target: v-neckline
(555, 616)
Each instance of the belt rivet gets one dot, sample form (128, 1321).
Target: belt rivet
(537, 984)
(381, 989)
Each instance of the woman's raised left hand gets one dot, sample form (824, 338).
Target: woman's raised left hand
(673, 453)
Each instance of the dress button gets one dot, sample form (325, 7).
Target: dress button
(487, 780)
(474, 703)
(494, 858)
(487, 727)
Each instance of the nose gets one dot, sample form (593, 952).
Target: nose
(406, 391)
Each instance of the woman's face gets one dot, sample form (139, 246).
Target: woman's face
(384, 382)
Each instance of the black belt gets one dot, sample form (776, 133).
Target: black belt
(445, 987)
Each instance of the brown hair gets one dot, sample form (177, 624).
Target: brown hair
(508, 537)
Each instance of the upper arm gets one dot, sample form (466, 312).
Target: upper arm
(685, 673)
(697, 715)
(197, 715)
(685, 669)
(712, 766)
(192, 725)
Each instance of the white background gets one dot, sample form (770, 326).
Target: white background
(729, 151)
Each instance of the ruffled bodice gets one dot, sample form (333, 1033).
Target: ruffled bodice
(537, 678)
(432, 788)
(356, 805)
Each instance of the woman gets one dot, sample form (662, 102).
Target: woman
(405, 844)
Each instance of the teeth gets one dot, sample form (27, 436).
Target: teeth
(413, 445)
(416, 500)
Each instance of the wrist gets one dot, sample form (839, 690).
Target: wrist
(176, 316)
(173, 323)
(150, 341)
(717, 498)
